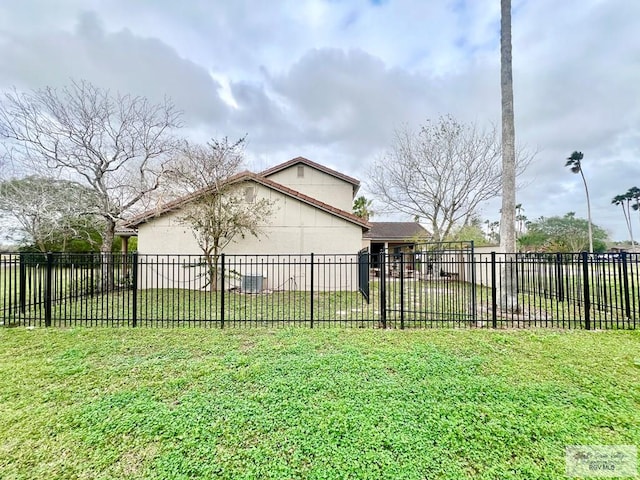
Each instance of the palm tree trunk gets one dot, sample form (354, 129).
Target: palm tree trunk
(586, 190)
(508, 295)
(628, 215)
(627, 218)
(637, 208)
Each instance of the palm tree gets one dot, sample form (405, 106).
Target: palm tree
(521, 219)
(507, 219)
(624, 201)
(634, 194)
(574, 161)
(362, 208)
(508, 296)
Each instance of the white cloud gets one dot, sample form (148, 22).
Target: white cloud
(331, 80)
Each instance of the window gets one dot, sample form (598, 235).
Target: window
(249, 194)
(300, 171)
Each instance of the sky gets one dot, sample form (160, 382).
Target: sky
(332, 80)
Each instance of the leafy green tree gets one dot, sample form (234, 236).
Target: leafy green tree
(362, 207)
(521, 220)
(563, 234)
(575, 162)
(468, 233)
(493, 233)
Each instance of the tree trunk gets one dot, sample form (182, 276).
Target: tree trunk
(507, 220)
(638, 210)
(212, 267)
(212, 272)
(628, 215)
(108, 270)
(586, 191)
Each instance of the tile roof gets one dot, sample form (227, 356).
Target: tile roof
(243, 177)
(395, 231)
(317, 166)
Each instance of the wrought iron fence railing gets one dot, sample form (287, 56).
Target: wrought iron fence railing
(425, 286)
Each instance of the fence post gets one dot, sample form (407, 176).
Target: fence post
(625, 283)
(222, 265)
(134, 288)
(474, 298)
(22, 301)
(559, 278)
(401, 290)
(494, 292)
(585, 290)
(312, 286)
(383, 287)
(47, 290)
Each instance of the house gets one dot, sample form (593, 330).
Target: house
(624, 247)
(396, 238)
(311, 214)
(312, 207)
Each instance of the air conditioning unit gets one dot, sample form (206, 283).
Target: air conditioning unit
(252, 283)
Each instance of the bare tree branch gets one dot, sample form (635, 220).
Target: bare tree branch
(114, 144)
(222, 210)
(46, 209)
(441, 173)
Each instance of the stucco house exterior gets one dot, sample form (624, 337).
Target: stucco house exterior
(311, 213)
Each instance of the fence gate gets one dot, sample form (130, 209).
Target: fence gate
(429, 284)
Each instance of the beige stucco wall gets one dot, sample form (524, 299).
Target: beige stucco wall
(277, 272)
(293, 228)
(318, 185)
(482, 261)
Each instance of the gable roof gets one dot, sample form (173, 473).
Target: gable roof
(239, 178)
(305, 161)
(395, 231)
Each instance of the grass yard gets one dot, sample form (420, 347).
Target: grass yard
(122, 403)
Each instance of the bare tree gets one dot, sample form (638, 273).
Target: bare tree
(113, 144)
(441, 173)
(221, 205)
(47, 210)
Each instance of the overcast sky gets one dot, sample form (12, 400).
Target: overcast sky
(330, 80)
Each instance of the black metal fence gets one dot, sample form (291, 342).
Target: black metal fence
(438, 285)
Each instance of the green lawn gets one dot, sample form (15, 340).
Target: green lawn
(425, 303)
(320, 404)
